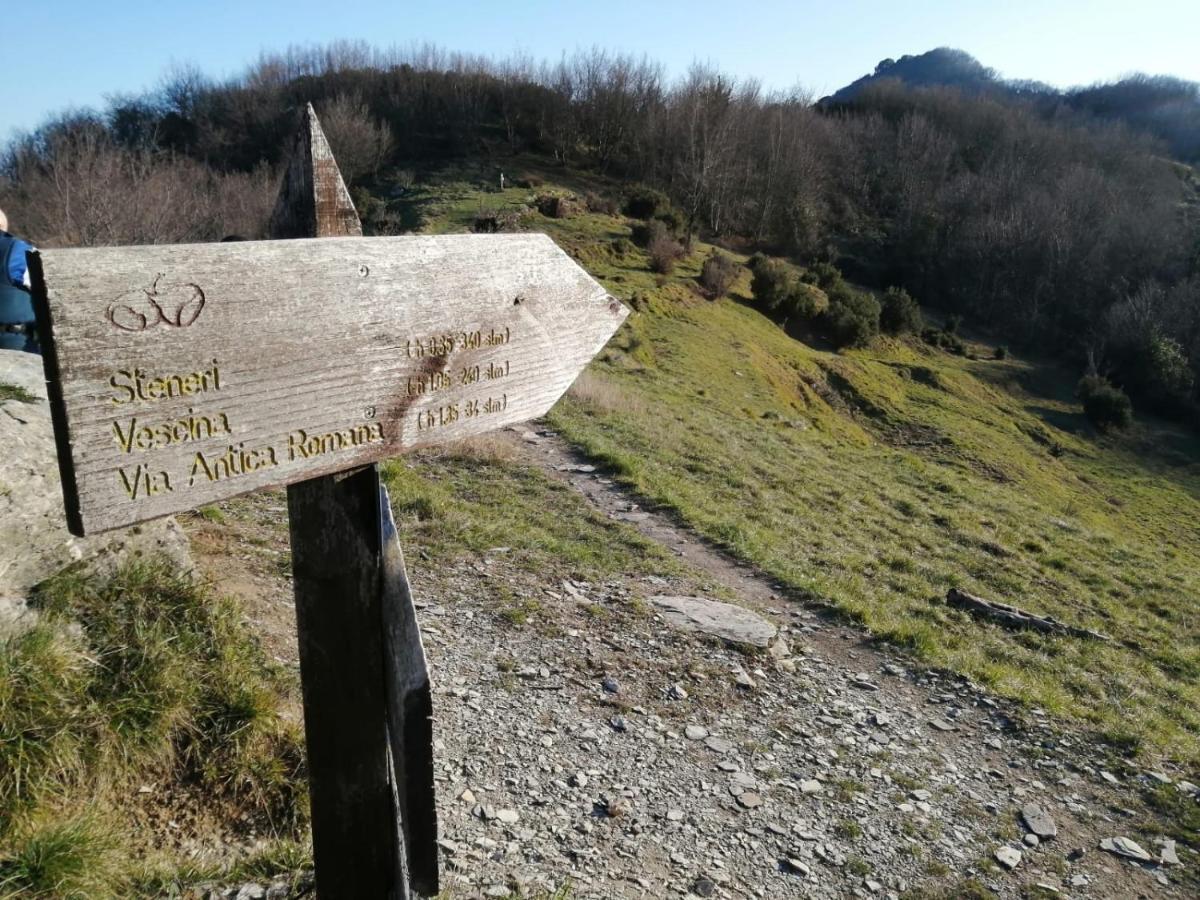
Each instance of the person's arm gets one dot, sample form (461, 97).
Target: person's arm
(18, 269)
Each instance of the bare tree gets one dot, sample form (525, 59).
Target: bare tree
(361, 144)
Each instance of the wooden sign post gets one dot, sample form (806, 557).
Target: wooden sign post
(183, 375)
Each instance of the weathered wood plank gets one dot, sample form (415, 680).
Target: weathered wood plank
(410, 713)
(191, 373)
(313, 200)
(336, 555)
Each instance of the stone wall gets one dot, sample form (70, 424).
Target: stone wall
(34, 541)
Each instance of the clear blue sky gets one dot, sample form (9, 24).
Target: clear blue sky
(71, 53)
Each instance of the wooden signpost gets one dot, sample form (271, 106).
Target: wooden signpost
(183, 375)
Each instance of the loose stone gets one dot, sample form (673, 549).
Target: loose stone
(1008, 857)
(1126, 847)
(1038, 821)
(797, 866)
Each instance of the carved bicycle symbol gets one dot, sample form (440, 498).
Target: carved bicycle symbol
(174, 304)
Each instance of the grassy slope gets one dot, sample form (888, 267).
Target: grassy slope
(140, 678)
(874, 480)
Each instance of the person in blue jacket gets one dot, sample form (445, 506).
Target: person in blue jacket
(17, 330)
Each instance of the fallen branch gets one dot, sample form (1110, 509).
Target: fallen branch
(1011, 617)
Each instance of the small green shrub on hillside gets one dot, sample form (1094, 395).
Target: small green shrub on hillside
(823, 274)
(770, 282)
(718, 274)
(783, 292)
(953, 323)
(1167, 373)
(645, 203)
(673, 219)
(1000, 352)
(945, 340)
(852, 319)
(1106, 406)
(807, 301)
(900, 313)
(622, 246)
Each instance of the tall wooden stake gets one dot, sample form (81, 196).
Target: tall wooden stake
(360, 658)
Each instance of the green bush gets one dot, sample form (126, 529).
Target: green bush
(900, 313)
(783, 292)
(852, 319)
(718, 274)
(1106, 406)
(1168, 374)
(673, 219)
(1000, 352)
(645, 202)
(553, 206)
(622, 246)
(824, 275)
(771, 282)
(807, 301)
(944, 340)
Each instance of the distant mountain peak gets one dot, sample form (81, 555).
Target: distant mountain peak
(942, 66)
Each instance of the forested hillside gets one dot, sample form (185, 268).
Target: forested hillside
(849, 386)
(1057, 225)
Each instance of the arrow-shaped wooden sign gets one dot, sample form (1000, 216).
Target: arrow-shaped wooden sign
(180, 375)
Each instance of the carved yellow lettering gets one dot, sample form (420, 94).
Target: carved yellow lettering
(116, 382)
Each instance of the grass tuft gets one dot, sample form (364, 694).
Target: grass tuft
(142, 676)
(71, 860)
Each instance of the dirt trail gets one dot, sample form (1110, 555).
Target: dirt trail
(849, 652)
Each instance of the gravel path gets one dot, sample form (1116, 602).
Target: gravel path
(641, 761)
(594, 743)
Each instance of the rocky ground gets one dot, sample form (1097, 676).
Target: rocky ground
(595, 737)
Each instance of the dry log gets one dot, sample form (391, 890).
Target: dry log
(1011, 617)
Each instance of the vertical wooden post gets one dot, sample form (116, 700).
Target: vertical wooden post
(348, 666)
(410, 714)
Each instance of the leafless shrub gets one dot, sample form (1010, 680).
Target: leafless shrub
(664, 252)
(553, 206)
(360, 143)
(718, 274)
(78, 188)
(598, 203)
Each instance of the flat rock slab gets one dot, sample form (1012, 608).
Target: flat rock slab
(1008, 857)
(34, 541)
(1038, 821)
(1126, 847)
(724, 620)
